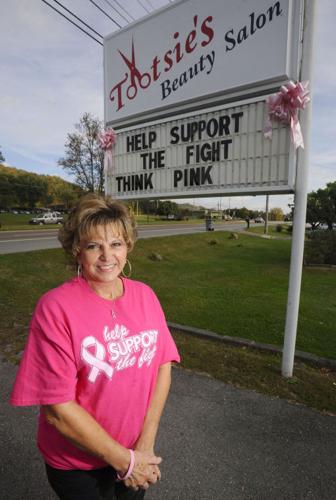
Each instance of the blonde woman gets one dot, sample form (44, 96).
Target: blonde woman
(98, 363)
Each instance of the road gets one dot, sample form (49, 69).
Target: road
(26, 241)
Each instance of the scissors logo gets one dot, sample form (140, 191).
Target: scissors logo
(137, 80)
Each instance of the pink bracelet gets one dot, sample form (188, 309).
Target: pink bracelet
(130, 468)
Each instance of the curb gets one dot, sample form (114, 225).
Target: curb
(237, 341)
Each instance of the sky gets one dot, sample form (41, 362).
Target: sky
(51, 73)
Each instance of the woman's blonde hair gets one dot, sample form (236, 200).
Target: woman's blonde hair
(90, 212)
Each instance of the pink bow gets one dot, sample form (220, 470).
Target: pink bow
(107, 140)
(284, 106)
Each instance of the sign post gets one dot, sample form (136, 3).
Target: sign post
(299, 221)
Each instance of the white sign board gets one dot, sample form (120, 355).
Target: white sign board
(196, 51)
(221, 151)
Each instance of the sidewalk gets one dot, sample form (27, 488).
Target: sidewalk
(218, 443)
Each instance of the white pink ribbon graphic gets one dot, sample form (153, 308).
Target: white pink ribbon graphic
(284, 107)
(96, 361)
(107, 140)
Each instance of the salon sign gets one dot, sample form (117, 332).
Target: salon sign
(195, 52)
(216, 152)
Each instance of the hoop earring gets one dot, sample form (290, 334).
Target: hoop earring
(129, 271)
(79, 271)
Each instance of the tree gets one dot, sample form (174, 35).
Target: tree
(30, 188)
(290, 216)
(184, 213)
(276, 213)
(243, 213)
(2, 158)
(21, 188)
(328, 204)
(321, 206)
(83, 157)
(7, 194)
(26, 189)
(313, 210)
(167, 208)
(61, 192)
(148, 207)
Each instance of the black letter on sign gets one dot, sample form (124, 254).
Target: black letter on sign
(148, 181)
(229, 39)
(206, 177)
(236, 117)
(175, 137)
(177, 177)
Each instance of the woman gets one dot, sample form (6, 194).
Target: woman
(97, 361)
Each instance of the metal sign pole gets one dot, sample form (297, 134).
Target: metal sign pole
(266, 215)
(299, 221)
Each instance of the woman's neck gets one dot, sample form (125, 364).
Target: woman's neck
(110, 291)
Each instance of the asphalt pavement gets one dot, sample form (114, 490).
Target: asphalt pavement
(218, 443)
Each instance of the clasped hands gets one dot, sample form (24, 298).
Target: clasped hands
(145, 471)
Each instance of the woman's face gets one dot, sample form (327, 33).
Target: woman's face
(103, 255)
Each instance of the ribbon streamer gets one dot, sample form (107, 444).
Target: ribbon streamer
(96, 361)
(284, 107)
(107, 140)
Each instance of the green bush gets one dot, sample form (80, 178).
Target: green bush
(290, 229)
(320, 248)
(278, 228)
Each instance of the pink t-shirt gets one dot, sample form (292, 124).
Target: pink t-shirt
(104, 355)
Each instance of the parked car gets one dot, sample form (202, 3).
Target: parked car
(259, 220)
(324, 227)
(48, 218)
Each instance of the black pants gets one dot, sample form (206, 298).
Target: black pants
(98, 484)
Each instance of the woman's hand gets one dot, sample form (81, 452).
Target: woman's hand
(145, 471)
(147, 446)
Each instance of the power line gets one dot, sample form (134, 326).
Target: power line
(106, 14)
(119, 13)
(72, 22)
(116, 1)
(143, 6)
(79, 19)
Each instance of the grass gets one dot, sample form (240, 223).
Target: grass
(250, 369)
(24, 277)
(232, 287)
(271, 230)
(238, 288)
